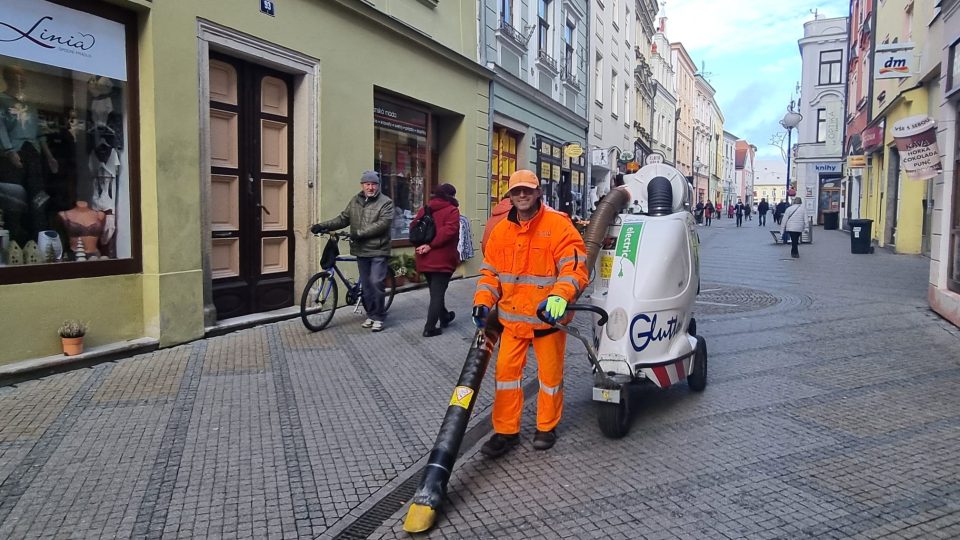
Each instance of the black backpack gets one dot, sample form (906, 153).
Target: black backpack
(423, 230)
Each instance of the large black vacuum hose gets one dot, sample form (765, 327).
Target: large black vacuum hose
(659, 197)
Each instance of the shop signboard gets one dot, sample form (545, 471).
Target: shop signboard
(392, 116)
(892, 61)
(857, 162)
(572, 150)
(872, 138)
(51, 34)
(916, 139)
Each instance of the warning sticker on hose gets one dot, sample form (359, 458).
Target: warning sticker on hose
(461, 397)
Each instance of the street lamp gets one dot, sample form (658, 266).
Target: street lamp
(790, 120)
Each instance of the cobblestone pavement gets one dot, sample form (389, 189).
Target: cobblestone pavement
(831, 411)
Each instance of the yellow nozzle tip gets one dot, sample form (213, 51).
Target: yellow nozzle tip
(419, 518)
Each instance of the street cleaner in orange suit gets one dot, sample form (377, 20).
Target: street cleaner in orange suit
(533, 258)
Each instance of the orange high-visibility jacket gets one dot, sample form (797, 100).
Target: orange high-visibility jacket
(525, 262)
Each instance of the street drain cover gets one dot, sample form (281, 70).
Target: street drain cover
(721, 299)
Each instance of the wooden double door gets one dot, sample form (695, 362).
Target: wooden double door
(251, 191)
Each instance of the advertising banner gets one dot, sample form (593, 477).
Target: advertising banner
(51, 34)
(916, 139)
(857, 161)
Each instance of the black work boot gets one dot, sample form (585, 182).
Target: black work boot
(544, 440)
(499, 444)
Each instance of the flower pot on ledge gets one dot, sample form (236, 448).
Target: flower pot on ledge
(72, 346)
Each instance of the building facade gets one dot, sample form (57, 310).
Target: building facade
(538, 51)
(644, 85)
(663, 116)
(685, 84)
(859, 95)
(819, 161)
(746, 154)
(176, 165)
(729, 168)
(716, 151)
(702, 136)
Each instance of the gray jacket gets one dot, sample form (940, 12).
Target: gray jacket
(369, 219)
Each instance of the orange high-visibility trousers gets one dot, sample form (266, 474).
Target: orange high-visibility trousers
(508, 399)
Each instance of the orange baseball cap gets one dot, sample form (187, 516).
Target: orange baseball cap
(524, 178)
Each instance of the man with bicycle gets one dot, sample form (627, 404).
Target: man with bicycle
(369, 215)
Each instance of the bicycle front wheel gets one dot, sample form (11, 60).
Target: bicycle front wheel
(390, 289)
(318, 301)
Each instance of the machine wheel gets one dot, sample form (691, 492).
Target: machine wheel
(692, 327)
(614, 418)
(698, 379)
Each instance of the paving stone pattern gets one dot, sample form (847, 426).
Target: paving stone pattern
(831, 412)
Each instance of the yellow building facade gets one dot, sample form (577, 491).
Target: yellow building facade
(195, 142)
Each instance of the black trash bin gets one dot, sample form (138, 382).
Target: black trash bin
(831, 221)
(860, 235)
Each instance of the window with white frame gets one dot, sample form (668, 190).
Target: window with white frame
(506, 11)
(543, 26)
(569, 31)
(613, 93)
(830, 66)
(598, 80)
(821, 125)
(626, 107)
(615, 13)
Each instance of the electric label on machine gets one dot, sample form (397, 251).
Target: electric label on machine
(461, 397)
(628, 241)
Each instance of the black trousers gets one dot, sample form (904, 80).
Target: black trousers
(762, 219)
(794, 242)
(739, 220)
(437, 312)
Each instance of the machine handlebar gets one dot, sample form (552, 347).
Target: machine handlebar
(541, 314)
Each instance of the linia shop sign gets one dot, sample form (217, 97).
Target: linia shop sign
(916, 138)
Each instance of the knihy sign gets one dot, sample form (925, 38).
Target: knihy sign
(54, 35)
(826, 167)
(893, 61)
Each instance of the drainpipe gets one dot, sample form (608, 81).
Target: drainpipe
(586, 111)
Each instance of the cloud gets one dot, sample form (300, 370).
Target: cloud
(750, 52)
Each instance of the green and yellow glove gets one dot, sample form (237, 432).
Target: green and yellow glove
(553, 308)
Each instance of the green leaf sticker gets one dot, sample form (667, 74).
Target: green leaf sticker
(628, 241)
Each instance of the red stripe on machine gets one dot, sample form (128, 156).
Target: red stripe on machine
(660, 372)
(681, 372)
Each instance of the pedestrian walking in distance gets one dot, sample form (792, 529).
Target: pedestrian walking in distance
(762, 210)
(738, 210)
(534, 259)
(369, 215)
(708, 212)
(781, 208)
(794, 219)
(747, 209)
(438, 259)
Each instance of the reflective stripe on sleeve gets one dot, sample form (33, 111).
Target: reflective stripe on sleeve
(488, 267)
(572, 281)
(491, 289)
(565, 260)
(551, 390)
(508, 385)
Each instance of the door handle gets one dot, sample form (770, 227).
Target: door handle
(264, 208)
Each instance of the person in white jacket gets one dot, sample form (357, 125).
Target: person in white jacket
(794, 219)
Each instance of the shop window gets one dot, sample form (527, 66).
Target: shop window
(503, 163)
(403, 157)
(68, 192)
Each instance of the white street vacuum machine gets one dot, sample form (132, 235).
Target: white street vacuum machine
(643, 247)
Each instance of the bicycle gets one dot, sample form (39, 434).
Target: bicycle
(320, 296)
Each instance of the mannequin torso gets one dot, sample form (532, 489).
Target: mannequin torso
(85, 224)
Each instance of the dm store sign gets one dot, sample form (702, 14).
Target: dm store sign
(54, 35)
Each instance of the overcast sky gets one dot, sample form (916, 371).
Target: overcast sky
(751, 55)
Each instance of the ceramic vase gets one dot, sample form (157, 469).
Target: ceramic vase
(47, 239)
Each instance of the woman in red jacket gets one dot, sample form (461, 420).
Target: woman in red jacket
(438, 259)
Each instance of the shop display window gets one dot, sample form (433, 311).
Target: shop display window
(65, 174)
(403, 157)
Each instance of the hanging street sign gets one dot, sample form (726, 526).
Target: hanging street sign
(573, 150)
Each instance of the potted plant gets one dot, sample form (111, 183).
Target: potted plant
(399, 270)
(71, 335)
